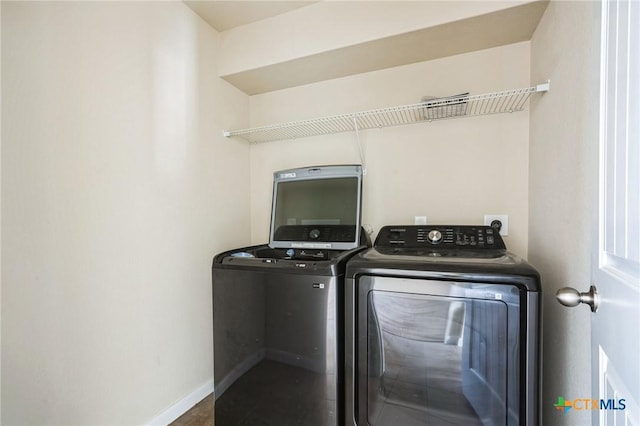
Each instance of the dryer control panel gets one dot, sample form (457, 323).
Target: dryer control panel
(444, 237)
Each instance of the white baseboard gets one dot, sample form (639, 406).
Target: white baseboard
(182, 406)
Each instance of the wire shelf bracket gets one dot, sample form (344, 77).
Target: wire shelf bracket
(427, 110)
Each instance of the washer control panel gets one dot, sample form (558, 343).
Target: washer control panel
(440, 237)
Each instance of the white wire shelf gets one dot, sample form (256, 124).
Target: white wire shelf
(457, 106)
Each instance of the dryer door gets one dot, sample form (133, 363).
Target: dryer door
(436, 353)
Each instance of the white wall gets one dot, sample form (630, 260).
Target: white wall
(117, 189)
(563, 154)
(453, 171)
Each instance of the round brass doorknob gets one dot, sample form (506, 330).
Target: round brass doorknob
(569, 296)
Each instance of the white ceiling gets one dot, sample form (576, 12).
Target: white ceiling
(224, 15)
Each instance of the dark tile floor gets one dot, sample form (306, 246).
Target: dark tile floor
(200, 415)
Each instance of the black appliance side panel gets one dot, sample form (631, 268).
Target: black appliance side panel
(276, 348)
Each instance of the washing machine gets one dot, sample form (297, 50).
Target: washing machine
(278, 308)
(442, 328)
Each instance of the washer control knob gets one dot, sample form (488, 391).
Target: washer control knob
(435, 236)
(314, 234)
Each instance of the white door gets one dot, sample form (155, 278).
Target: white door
(615, 327)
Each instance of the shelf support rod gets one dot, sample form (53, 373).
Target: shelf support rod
(357, 130)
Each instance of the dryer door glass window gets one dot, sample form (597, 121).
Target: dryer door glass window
(435, 359)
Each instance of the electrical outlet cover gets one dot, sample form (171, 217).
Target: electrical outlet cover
(504, 218)
(419, 220)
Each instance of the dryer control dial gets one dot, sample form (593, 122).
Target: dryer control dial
(435, 236)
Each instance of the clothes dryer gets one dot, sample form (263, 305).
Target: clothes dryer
(443, 328)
